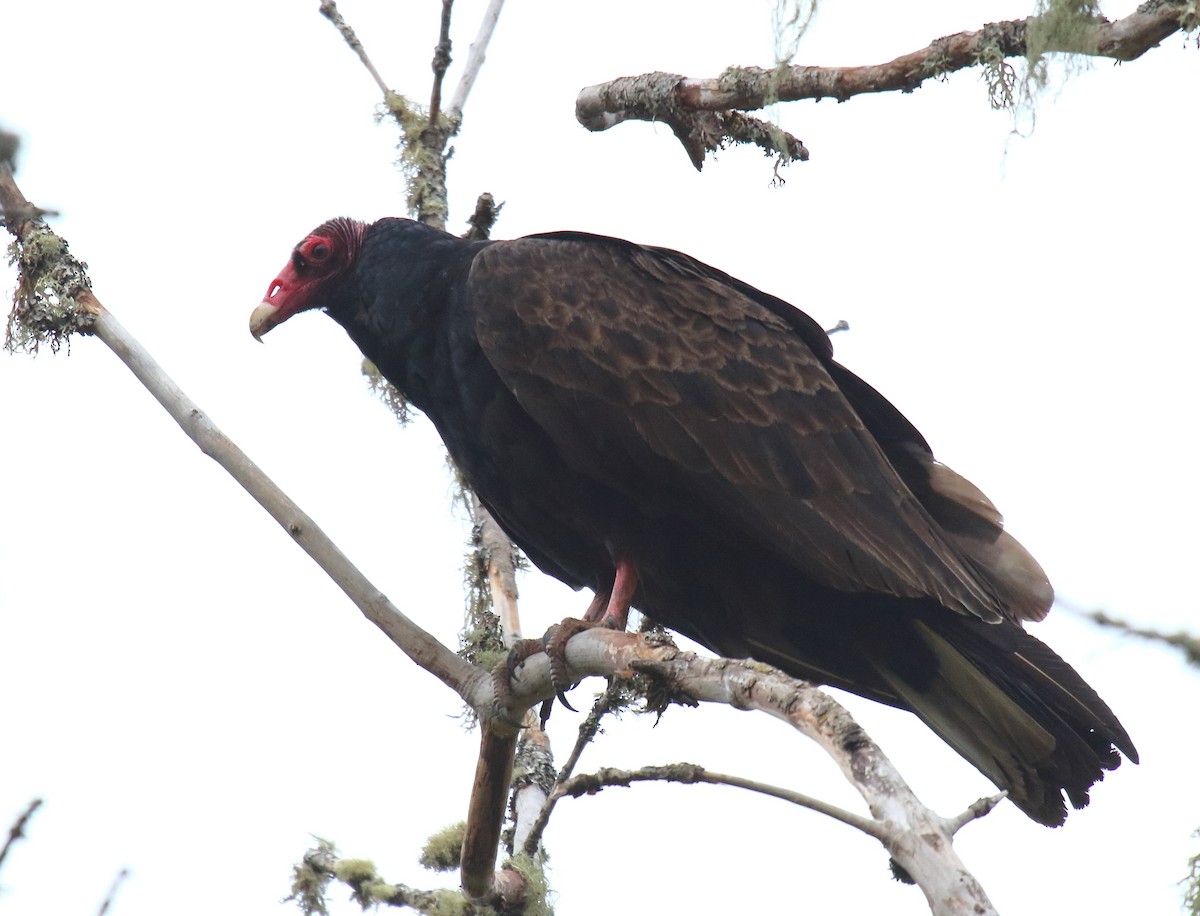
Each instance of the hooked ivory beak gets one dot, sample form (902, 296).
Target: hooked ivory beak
(262, 319)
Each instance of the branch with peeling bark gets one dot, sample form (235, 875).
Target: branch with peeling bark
(919, 840)
(702, 112)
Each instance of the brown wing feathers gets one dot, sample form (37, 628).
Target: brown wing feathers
(731, 396)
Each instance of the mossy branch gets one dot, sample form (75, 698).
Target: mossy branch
(48, 302)
(521, 888)
(1191, 884)
(693, 107)
(1185, 642)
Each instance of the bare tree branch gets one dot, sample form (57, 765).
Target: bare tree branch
(489, 799)
(1185, 642)
(17, 831)
(112, 891)
(683, 102)
(487, 211)
(441, 63)
(476, 55)
(979, 808)
(330, 11)
(588, 730)
(688, 773)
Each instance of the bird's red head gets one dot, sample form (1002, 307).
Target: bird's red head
(323, 255)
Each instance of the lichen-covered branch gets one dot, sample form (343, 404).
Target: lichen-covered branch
(521, 888)
(533, 781)
(588, 729)
(693, 107)
(1185, 642)
(46, 307)
(919, 840)
(487, 211)
(1191, 885)
(329, 10)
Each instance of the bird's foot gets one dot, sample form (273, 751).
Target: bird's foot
(609, 610)
(554, 644)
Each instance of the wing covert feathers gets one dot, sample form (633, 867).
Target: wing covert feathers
(706, 389)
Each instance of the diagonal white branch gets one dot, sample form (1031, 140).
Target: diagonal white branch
(476, 55)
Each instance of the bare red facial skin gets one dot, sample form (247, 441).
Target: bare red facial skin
(308, 265)
(324, 253)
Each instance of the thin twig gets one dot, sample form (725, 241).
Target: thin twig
(17, 831)
(112, 891)
(588, 729)
(1186, 642)
(30, 212)
(330, 11)
(441, 62)
(977, 809)
(591, 783)
(476, 55)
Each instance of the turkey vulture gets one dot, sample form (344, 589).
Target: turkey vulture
(652, 428)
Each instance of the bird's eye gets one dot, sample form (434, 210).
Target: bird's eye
(319, 251)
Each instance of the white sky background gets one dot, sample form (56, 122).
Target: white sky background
(193, 698)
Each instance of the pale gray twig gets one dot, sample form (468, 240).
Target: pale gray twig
(475, 57)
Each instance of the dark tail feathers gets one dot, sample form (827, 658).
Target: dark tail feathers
(1013, 708)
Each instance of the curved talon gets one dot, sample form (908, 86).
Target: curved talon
(522, 649)
(556, 640)
(505, 669)
(501, 686)
(544, 713)
(604, 611)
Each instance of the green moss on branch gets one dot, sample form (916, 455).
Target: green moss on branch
(49, 279)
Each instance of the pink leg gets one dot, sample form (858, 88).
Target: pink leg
(607, 609)
(617, 613)
(595, 611)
